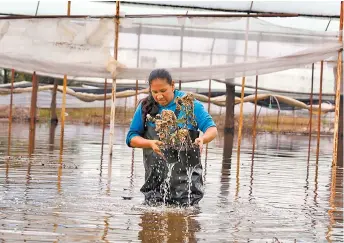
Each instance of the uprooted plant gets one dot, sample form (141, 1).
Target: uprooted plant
(174, 131)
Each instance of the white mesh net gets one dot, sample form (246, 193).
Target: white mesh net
(191, 48)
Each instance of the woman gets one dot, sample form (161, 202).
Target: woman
(171, 176)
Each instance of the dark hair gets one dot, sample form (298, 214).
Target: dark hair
(149, 105)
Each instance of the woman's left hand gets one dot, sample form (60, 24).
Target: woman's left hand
(199, 142)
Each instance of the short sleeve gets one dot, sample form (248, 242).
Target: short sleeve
(203, 118)
(136, 126)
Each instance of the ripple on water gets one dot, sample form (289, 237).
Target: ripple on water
(80, 196)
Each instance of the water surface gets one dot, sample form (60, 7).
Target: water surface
(78, 196)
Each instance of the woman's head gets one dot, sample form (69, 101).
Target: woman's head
(161, 86)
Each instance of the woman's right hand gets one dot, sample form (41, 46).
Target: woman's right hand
(154, 144)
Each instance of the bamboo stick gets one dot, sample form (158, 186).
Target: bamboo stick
(113, 106)
(319, 111)
(209, 94)
(242, 98)
(338, 81)
(254, 134)
(138, 64)
(211, 62)
(181, 53)
(336, 127)
(63, 111)
(104, 112)
(63, 108)
(311, 114)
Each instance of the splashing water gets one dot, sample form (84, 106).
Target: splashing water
(167, 185)
(189, 172)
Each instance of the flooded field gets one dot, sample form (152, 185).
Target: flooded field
(77, 195)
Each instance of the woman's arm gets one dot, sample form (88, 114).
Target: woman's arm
(136, 130)
(140, 142)
(209, 135)
(205, 123)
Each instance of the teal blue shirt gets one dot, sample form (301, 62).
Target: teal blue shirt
(202, 117)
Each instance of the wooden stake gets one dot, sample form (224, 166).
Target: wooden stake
(33, 113)
(10, 115)
(113, 98)
(319, 111)
(53, 115)
(338, 81)
(11, 100)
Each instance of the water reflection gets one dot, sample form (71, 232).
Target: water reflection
(168, 227)
(52, 131)
(57, 194)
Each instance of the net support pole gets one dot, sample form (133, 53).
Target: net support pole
(11, 113)
(138, 64)
(242, 97)
(211, 63)
(104, 112)
(53, 115)
(11, 99)
(62, 117)
(181, 53)
(113, 96)
(33, 113)
(338, 94)
(311, 114)
(254, 133)
(319, 111)
(64, 92)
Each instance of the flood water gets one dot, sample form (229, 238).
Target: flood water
(78, 196)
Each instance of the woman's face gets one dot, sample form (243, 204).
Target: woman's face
(162, 91)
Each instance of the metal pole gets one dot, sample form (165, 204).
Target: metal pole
(113, 98)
